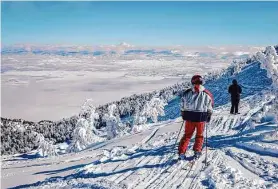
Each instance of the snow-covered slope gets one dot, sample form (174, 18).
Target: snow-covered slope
(242, 153)
(238, 157)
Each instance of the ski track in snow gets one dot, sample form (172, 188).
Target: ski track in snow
(237, 158)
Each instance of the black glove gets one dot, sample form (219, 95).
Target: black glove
(209, 116)
(183, 115)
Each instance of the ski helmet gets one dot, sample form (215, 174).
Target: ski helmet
(197, 79)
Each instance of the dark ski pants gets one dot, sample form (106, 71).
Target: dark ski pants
(234, 108)
(189, 130)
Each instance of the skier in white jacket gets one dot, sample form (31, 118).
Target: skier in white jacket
(196, 109)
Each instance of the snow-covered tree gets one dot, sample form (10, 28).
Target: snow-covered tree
(88, 111)
(269, 62)
(114, 126)
(127, 108)
(46, 147)
(82, 136)
(122, 110)
(154, 108)
(85, 132)
(167, 95)
(139, 118)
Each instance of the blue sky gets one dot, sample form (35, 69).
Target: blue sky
(140, 23)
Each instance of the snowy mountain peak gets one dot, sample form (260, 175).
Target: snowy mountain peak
(124, 44)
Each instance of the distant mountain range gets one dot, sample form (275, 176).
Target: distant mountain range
(127, 49)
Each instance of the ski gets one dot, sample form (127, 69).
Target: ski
(175, 163)
(190, 164)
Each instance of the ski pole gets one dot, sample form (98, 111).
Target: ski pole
(206, 144)
(174, 146)
(178, 135)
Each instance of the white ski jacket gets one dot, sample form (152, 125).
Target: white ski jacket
(196, 104)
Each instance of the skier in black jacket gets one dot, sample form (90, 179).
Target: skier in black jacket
(235, 91)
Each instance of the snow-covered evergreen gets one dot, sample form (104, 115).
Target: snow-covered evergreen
(139, 118)
(46, 148)
(114, 126)
(269, 62)
(80, 136)
(88, 111)
(154, 108)
(85, 132)
(151, 110)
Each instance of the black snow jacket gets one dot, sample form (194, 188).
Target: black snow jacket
(235, 91)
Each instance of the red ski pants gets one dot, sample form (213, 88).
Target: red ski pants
(189, 130)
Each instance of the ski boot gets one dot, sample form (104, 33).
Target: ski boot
(181, 157)
(197, 155)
